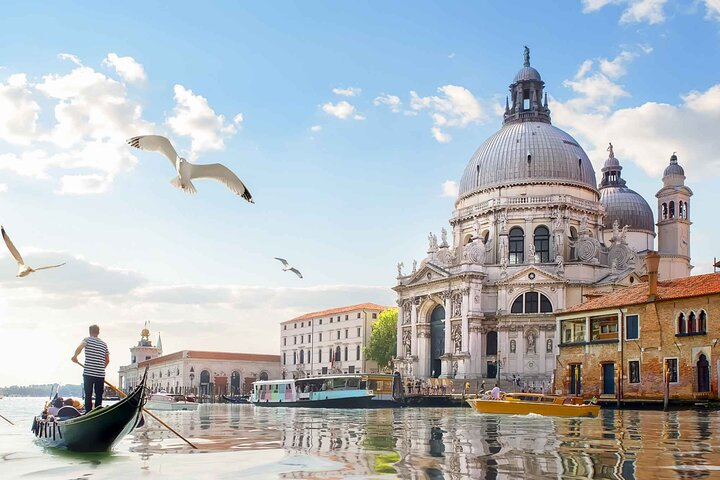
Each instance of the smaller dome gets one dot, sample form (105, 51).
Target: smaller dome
(527, 73)
(674, 168)
(627, 207)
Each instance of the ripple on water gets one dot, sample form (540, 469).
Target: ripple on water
(242, 441)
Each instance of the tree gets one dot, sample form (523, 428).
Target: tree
(382, 346)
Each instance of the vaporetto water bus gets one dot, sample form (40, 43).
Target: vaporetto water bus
(331, 391)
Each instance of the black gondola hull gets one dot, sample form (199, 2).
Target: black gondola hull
(96, 431)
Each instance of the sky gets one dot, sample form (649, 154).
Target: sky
(351, 124)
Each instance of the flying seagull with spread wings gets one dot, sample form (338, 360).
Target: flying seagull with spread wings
(288, 268)
(188, 171)
(23, 270)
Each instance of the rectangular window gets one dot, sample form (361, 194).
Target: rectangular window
(284, 341)
(374, 315)
(284, 327)
(338, 318)
(358, 315)
(346, 333)
(294, 340)
(338, 334)
(573, 330)
(302, 324)
(295, 325)
(347, 317)
(320, 337)
(331, 319)
(284, 359)
(321, 321)
(358, 332)
(531, 302)
(351, 369)
(604, 328)
(671, 370)
(309, 339)
(634, 370)
(632, 327)
(319, 356)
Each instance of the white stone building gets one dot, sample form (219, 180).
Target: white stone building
(194, 371)
(328, 341)
(532, 233)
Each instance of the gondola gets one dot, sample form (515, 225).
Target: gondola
(96, 431)
(240, 399)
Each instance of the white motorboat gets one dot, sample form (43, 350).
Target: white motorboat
(170, 401)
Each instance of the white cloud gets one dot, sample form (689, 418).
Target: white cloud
(635, 11)
(19, 112)
(712, 9)
(3, 187)
(315, 128)
(342, 110)
(456, 107)
(392, 101)
(452, 55)
(73, 58)
(450, 189)
(347, 92)
(128, 69)
(193, 117)
(87, 120)
(617, 67)
(584, 69)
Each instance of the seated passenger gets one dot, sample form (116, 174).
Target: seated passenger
(57, 404)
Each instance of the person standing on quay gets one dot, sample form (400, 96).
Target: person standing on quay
(97, 358)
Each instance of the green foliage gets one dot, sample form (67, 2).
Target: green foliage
(382, 346)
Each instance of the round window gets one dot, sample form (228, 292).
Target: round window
(531, 276)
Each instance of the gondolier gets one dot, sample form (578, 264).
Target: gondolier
(97, 357)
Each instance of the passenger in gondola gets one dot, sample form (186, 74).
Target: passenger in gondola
(57, 404)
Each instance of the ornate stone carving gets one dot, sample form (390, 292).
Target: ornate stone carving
(432, 243)
(513, 346)
(400, 266)
(474, 252)
(456, 336)
(407, 312)
(407, 342)
(531, 252)
(530, 341)
(559, 265)
(587, 248)
(558, 227)
(443, 237)
(457, 304)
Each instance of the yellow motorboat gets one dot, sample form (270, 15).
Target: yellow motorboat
(524, 403)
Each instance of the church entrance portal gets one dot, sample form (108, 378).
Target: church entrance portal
(437, 340)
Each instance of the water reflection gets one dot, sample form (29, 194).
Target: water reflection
(239, 441)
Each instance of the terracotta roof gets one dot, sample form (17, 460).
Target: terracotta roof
(685, 287)
(197, 354)
(333, 311)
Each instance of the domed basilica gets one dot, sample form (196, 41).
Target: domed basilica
(532, 233)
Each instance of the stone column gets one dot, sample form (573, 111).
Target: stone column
(413, 322)
(422, 366)
(400, 352)
(446, 296)
(465, 292)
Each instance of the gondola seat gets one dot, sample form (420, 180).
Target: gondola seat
(67, 412)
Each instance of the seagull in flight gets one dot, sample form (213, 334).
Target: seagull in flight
(189, 171)
(288, 268)
(23, 270)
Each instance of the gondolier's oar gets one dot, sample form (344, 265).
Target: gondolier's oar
(11, 423)
(123, 394)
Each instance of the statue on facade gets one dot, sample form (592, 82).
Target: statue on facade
(611, 154)
(584, 224)
(559, 265)
(532, 251)
(503, 247)
(531, 342)
(513, 346)
(558, 227)
(400, 266)
(456, 336)
(476, 228)
(457, 305)
(406, 341)
(443, 237)
(502, 222)
(616, 231)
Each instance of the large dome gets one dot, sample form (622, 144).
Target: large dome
(527, 152)
(627, 207)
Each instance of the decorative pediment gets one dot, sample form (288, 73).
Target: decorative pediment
(428, 273)
(533, 275)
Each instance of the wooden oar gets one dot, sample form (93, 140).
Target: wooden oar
(11, 423)
(120, 392)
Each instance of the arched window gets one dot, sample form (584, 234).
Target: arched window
(204, 377)
(702, 322)
(357, 352)
(687, 213)
(331, 359)
(294, 358)
(691, 325)
(671, 210)
(468, 239)
(531, 302)
(663, 211)
(491, 343)
(681, 327)
(573, 239)
(517, 245)
(486, 236)
(703, 374)
(681, 208)
(337, 354)
(263, 376)
(346, 353)
(542, 244)
(319, 355)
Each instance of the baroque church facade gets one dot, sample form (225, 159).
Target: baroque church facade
(532, 233)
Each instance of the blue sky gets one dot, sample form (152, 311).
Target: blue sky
(348, 122)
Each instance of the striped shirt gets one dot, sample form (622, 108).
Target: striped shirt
(95, 352)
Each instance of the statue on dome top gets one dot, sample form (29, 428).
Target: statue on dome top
(611, 153)
(526, 56)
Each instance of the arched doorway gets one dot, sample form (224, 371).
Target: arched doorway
(491, 341)
(263, 376)
(437, 340)
(703, 374)
(205, 382)
(235, 383)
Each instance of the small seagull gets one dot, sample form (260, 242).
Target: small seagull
(188, 171)
(23, 270)
(288, 268)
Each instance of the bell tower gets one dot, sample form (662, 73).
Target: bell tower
(145, 350)
(674, 223)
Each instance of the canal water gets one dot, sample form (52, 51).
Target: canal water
(242, 441)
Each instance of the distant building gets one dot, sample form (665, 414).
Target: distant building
(328, 341)
(624, 345)
(193, 371)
